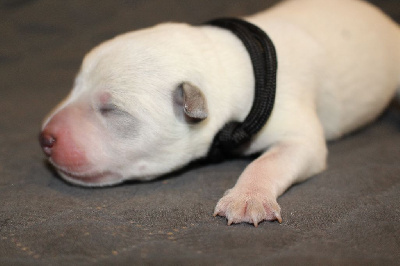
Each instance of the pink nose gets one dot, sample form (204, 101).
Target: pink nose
(47, 141)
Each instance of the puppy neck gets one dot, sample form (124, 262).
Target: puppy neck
(233, 74)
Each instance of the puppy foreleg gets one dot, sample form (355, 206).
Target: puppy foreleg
(254, 197)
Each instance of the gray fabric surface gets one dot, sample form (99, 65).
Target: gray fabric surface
(348, 215)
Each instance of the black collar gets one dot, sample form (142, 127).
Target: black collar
(235, 134)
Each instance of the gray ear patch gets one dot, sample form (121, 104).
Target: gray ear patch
(194, 102)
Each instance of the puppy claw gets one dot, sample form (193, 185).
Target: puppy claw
(218, 212)
(255, 219)
(278, 217)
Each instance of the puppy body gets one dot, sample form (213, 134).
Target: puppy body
(130, 111)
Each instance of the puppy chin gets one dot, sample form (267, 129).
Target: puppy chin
(101, 179)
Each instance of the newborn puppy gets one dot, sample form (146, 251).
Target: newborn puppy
(148, 102)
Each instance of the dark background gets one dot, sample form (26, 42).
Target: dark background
(348, 215)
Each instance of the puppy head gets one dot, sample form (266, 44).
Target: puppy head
(135, 110)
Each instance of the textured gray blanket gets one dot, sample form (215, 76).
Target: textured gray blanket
(348, 215)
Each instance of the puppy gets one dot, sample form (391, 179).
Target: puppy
(148, 102)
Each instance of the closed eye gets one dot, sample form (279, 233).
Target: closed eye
(118, 121)
(108, 109)
(112, 110)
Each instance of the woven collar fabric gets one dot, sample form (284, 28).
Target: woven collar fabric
(235, 134)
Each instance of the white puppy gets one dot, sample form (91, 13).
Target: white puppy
(148, 102)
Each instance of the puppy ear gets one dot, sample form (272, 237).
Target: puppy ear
(192, 101)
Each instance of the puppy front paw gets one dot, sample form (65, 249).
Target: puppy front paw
(247, 206)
